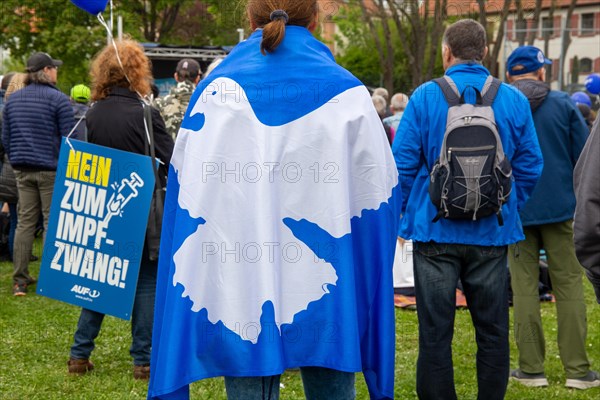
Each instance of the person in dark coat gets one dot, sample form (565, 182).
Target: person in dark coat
(9, 193)
(548, 223)
(587, 211)
(35, 120)
(116, 120)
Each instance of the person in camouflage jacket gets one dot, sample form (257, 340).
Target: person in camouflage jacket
(173, 106)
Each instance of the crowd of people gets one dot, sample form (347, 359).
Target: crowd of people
(540, 132)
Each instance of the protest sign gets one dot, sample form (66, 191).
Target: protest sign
(96, 228)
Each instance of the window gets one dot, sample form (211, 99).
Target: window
(585, 65)
(547, 27)
(587, 23)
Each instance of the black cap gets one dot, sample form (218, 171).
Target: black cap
(188, 68)
(40, 61)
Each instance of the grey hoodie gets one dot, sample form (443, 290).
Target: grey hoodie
(587, 212)
(535, 91)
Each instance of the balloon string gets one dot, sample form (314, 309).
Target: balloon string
(114, 44)
(112, 40)
(73, 130)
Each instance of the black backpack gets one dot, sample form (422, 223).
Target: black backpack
(472, 178)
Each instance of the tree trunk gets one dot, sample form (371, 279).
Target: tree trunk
(436, 35)
(381, 52)
(388, 66)
(521, 24)
(546, 35)
(566, 39)
(399, 15)
(536, 21)
(491, 62)
(158, 17)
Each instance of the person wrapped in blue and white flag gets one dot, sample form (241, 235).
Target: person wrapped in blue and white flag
(280, 224)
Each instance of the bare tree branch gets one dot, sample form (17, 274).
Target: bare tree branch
(436, 35)
(495, 53)
(567, 36)
(536, 20)
(521, 24)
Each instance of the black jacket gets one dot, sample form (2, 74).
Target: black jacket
(117, 121)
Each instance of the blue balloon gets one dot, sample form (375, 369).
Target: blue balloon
(581, 97)
(592, 83)
(92, 6)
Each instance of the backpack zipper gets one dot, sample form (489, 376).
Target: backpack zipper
(451, 149)
(468, 120)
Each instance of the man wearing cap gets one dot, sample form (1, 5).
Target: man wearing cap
(547, 219)
(80, 97)
(173, 106)
(35, 119)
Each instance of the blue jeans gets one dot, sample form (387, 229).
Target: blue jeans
(319, 383)
(484, 275)
(142, 319)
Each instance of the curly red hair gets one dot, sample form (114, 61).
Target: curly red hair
(106, 71)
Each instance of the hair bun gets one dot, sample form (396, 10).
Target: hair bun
(279, 14)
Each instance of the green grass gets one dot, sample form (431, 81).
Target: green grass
(36, 333)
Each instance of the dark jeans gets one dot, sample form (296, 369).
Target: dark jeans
(142, 319)
(483, 272)
(319, 383)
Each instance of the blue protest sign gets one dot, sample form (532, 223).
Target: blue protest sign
(96, 229)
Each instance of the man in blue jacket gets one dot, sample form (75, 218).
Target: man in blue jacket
(474, 251)
(35, 119)
(548, 221)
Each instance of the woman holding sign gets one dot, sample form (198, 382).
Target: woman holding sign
(116, 119)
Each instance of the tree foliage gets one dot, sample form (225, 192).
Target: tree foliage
(70, 34)
(156, 17)
(414, 29)
(228, 16)
(56, 27)
(399, 54)
(359, 52)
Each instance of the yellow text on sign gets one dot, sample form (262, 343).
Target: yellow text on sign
(88, 168)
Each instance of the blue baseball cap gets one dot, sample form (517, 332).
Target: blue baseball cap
(525, 59)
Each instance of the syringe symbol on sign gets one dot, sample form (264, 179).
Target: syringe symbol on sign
(118, 200)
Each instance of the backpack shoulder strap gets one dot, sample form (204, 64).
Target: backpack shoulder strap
(490, 90)
(449, 90)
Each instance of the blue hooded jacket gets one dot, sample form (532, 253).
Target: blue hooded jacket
(417, 145)
(562, 133)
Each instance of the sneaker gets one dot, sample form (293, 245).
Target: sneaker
(20, 289)
(531, 380)
(79, 366)
(141, 371)
(591, 380)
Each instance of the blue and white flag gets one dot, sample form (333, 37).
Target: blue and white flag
(280, 225)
